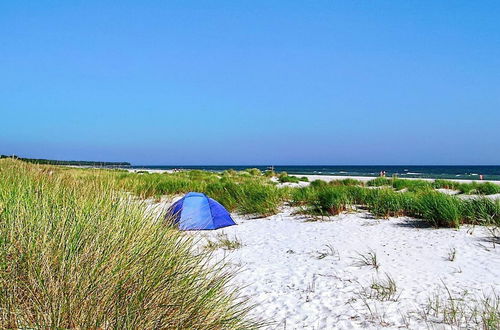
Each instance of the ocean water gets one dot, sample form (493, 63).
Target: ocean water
(436, 172)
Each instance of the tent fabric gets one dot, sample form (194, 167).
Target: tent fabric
(196, 211)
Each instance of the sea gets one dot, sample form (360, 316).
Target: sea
(466, 172)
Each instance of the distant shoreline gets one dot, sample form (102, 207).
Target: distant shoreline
(452, 172)
(324, 177)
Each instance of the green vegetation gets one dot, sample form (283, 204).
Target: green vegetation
(222, 241)
(463, 310)
(283, 177)
(330, 201)
(368, 259)
(388, 203)
(252, 193)
(77, 253)
(383, 289)
(237, 191)
(486, 188)
(254, 171)
(411, 185)
(439, 209)
(66, 162)
(378, 182)
(346, 182)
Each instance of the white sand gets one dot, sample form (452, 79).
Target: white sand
(283, 274)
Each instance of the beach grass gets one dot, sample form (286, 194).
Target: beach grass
(246, 192)
(439, 209)
(222, 241)
(251, 192)
(463, 310)
(332, 201)
(378, 182)
(346, 182)
(384, 289)
(387, 203)
(78, 253)
(473, 188)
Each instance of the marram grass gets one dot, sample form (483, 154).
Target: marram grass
(78, 254)
(243, 192)
(438, 209)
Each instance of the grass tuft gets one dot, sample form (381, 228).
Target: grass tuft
(368, 259)
(222, 241)
(383, 289)
(439, 209)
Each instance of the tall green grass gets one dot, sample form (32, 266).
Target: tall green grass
(388, 203)
(486, 188)
(332, 200)
(346, 182)
(378, 182)
(440, 209)
(75, 253)
(245, 192)
(411, 185)
(257, 195)
(437, 208)
(481, 211)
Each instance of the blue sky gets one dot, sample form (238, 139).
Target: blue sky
(251, 82)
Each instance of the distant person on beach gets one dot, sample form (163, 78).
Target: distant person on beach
(480, 177)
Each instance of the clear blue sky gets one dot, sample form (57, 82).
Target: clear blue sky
(251, 82)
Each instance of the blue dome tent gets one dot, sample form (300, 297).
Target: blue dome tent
(196, 211)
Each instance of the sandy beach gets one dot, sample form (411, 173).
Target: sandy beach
(308, 273)
(305, 274)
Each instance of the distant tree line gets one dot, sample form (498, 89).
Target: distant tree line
(66, 162)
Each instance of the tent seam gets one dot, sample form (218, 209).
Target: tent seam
(210, 208)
